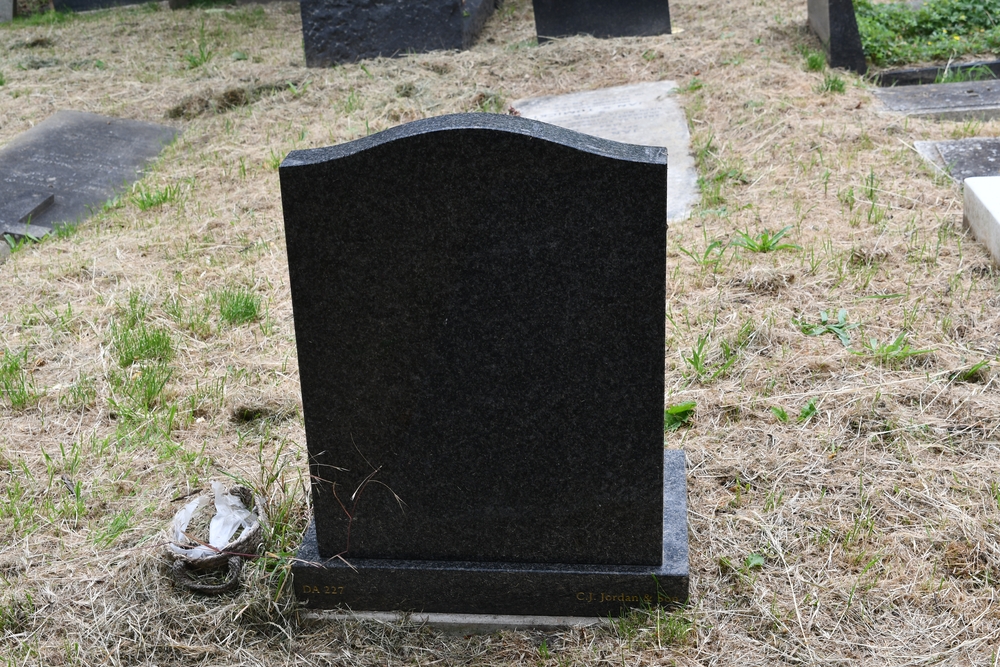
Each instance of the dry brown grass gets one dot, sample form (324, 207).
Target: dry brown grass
(876, 517)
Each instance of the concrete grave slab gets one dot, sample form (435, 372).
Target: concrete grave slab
(8, 10)
(62, 169)
(982, 211)
(963, 158)
(646, 114)
(945, 101)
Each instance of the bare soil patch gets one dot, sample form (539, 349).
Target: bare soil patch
(858, 528)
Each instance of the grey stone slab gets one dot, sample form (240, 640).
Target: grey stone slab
(339, 31)
(836, 25)
(963, 158)
(8, 9)
(646, 114)
(946, 101)
(981, 211)
(80, 159)
(601, 18)
(480, 343)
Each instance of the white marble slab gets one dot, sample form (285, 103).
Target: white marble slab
(982, 211)
(645, 113)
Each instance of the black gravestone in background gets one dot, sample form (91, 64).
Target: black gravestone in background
(479, 316)
(68, 165)
(338, 31)
(601, 18)
(88, 5)
(836, 25)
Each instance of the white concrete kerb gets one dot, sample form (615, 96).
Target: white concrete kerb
(460, 623)
(982, 211)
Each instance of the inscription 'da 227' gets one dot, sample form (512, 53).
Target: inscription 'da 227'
(324, 590)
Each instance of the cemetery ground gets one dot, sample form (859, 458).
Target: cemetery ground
(831, 344)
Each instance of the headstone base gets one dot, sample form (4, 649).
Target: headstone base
(504, 588)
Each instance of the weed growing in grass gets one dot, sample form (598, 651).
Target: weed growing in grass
(118, 525)
(3, 79)
(194, 318)
(678, 415)
(15, 614)
(204, 53)
(15, 380)
(146, 198)
(238, 305)
(81, 394)
(815, 61)
(139, 389)
(137, 342)
(488, 102)
(891, 353)
(711, 256)
(807, 412)
(779, 413)
(961, 75)
(979, 372)
(831, 84)
(840, 328)
(274, 160)
(765, 241)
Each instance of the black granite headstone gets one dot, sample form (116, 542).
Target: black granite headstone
(601, 18)
(78, 159)
(836, 25)
(339, 31)
(478, 305)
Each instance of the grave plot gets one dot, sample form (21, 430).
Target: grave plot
(59, 171)
(646, 114)
(945, 101)
(481, 350)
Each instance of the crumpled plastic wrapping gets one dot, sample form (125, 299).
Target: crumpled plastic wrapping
(230, 516)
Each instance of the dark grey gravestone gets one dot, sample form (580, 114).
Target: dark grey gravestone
(339, 31)
(836, 25)
(479, 315)
(601, 18)
(947, 101)
(79, 160)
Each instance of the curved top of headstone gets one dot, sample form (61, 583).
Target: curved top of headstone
(482, 121)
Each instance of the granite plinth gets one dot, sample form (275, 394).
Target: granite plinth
(79, 159)
(645, 113)
(963, 158)
(601, 18)
(981, 212)
(946, 101)
(478, 304)
(926, 75)
(537, 589)
(836, 25)
(339, 31)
